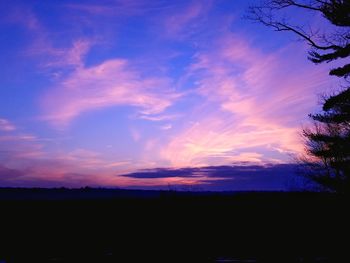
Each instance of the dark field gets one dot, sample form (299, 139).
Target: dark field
(96, 225)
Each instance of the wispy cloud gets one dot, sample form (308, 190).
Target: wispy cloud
(185, 21)
(159, 117)
(118, 8)
(42, 42)
(135, 134)
(18, 148)
(22, 15)
(30, 164)
(67, 57)
(111, 83)
(253, 100)
(6, 125)
(17, 137)
(166, 127)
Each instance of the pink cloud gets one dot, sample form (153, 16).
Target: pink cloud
(117, 7)
(77, 168)
(17, 137)
(26, 157)
(159, 117)
(253, 100)
(6, 125)
(183, 21)
(111, 83)
(23, 16)
(48, 54)
(166, 127)
(65, 57)
(135, 134)
(217, 140)
(57, 61)
(93, 9)
(19, 147)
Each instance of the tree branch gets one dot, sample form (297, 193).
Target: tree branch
(279, 4)
(261, 15)
(284, 27)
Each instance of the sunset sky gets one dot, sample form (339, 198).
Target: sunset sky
(101, 92)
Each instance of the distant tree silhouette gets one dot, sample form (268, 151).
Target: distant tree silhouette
(327, 143)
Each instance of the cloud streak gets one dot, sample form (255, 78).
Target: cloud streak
(112, 83)
(6, 125)
(254, 101)
(186, 21)
(227, 178)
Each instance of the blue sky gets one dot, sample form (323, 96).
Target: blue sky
(93, 90)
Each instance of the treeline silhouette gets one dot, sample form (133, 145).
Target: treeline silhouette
(106, 225)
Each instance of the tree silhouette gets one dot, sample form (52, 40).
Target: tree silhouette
(327, 143)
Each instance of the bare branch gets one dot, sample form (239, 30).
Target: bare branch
(279, 4)
(265, 17)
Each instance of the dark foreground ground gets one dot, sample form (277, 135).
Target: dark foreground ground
(95, 225)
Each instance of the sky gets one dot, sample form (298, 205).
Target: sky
(151, 94)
